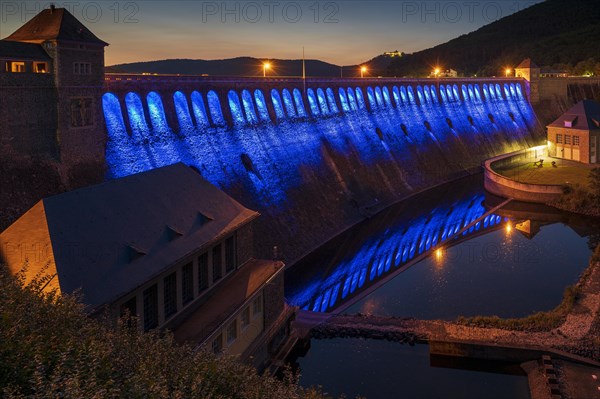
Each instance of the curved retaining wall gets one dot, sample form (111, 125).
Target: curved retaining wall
(500, 185)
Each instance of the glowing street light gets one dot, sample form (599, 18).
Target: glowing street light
(436, 72)
(362, 71)
(508, 228)
(507, 72)
(266, 66)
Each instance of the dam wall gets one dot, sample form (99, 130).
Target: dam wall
(314, 156)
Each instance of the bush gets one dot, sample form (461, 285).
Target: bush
(49, 348)
(540, 321)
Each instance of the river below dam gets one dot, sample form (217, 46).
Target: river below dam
(448, 252)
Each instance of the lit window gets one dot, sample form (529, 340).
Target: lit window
(40, 67)
(17, 67)
(567, 139)
(245, 318)
(232, 332)
(257, 306)
(575, 140)
(217, 344)
(559, 138)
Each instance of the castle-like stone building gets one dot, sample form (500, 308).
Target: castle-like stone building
(51, 83)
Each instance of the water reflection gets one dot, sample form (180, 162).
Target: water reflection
(468, 259)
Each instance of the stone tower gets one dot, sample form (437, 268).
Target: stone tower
(78, 70)
(528, 70)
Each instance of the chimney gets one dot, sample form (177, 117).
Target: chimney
(52, 8)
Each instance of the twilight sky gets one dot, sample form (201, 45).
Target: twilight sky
(342, 32)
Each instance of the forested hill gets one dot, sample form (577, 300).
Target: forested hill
(240, 66)
(563, 34)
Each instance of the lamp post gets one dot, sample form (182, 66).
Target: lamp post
(362, 71)
(266, 66)
(507, 72)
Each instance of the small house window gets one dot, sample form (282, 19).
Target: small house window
(575, 140)
(203, 272)
(170, 295)
(567, 139)
(150, 308)
(18, 67)
(559, 139)
(229, 254)
(217, 263)
(232, 332)
(245, 318)
(40, 67)
(187, 283)
(82, 68)
(217, 344)
(257, 306)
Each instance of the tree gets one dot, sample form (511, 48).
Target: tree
(594, 182)
(49, 348)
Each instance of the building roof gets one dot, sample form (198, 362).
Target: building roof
(585, 115)
(54, 24)
(237, 290)
(109, 239)
(22, 51)
(527, 64)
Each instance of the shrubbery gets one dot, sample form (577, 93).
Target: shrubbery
(49, 348)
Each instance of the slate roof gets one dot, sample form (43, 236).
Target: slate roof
(527, 63)
(22, 51)
(585, 115)
(109, 239)
(54, 24)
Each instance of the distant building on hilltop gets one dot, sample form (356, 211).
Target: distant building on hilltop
(165, 245)
(52, 80)
(575, 135)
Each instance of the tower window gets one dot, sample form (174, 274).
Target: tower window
(18, 67)
(575, 140)
(40, 67)
(82, 68)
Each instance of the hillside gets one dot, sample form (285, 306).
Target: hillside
(241, 66)
(562, 34)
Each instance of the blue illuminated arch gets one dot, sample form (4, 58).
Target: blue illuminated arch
(312, 102)
(261, 105)
(199, 110)
(214, 107)
(289, 103)
(235, 107)
(299, 103)
(113, 115)
(182, 110)
(331, 101)
(276, 99)
(249, 107)
(156, 111)
(343, 99)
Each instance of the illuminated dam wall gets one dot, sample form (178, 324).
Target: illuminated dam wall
(315, 156)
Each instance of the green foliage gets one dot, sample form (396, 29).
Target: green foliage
(540, 321)
(594, 183)
(49, 348)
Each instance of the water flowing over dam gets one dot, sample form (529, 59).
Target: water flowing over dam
(316, 156)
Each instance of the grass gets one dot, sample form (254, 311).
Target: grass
(565, 172)
(540, 321)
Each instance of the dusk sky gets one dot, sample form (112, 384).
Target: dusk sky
(341, 32)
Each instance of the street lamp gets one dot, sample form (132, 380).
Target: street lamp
(362, 71)
(266, 66)
(507, 72)
(436, 72)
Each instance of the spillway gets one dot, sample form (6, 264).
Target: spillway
(314, 160)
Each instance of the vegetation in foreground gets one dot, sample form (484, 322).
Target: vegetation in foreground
(49, 348)
(581, 198)
(540, 321)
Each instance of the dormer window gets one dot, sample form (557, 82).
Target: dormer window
(40, 67)
(82, 68)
